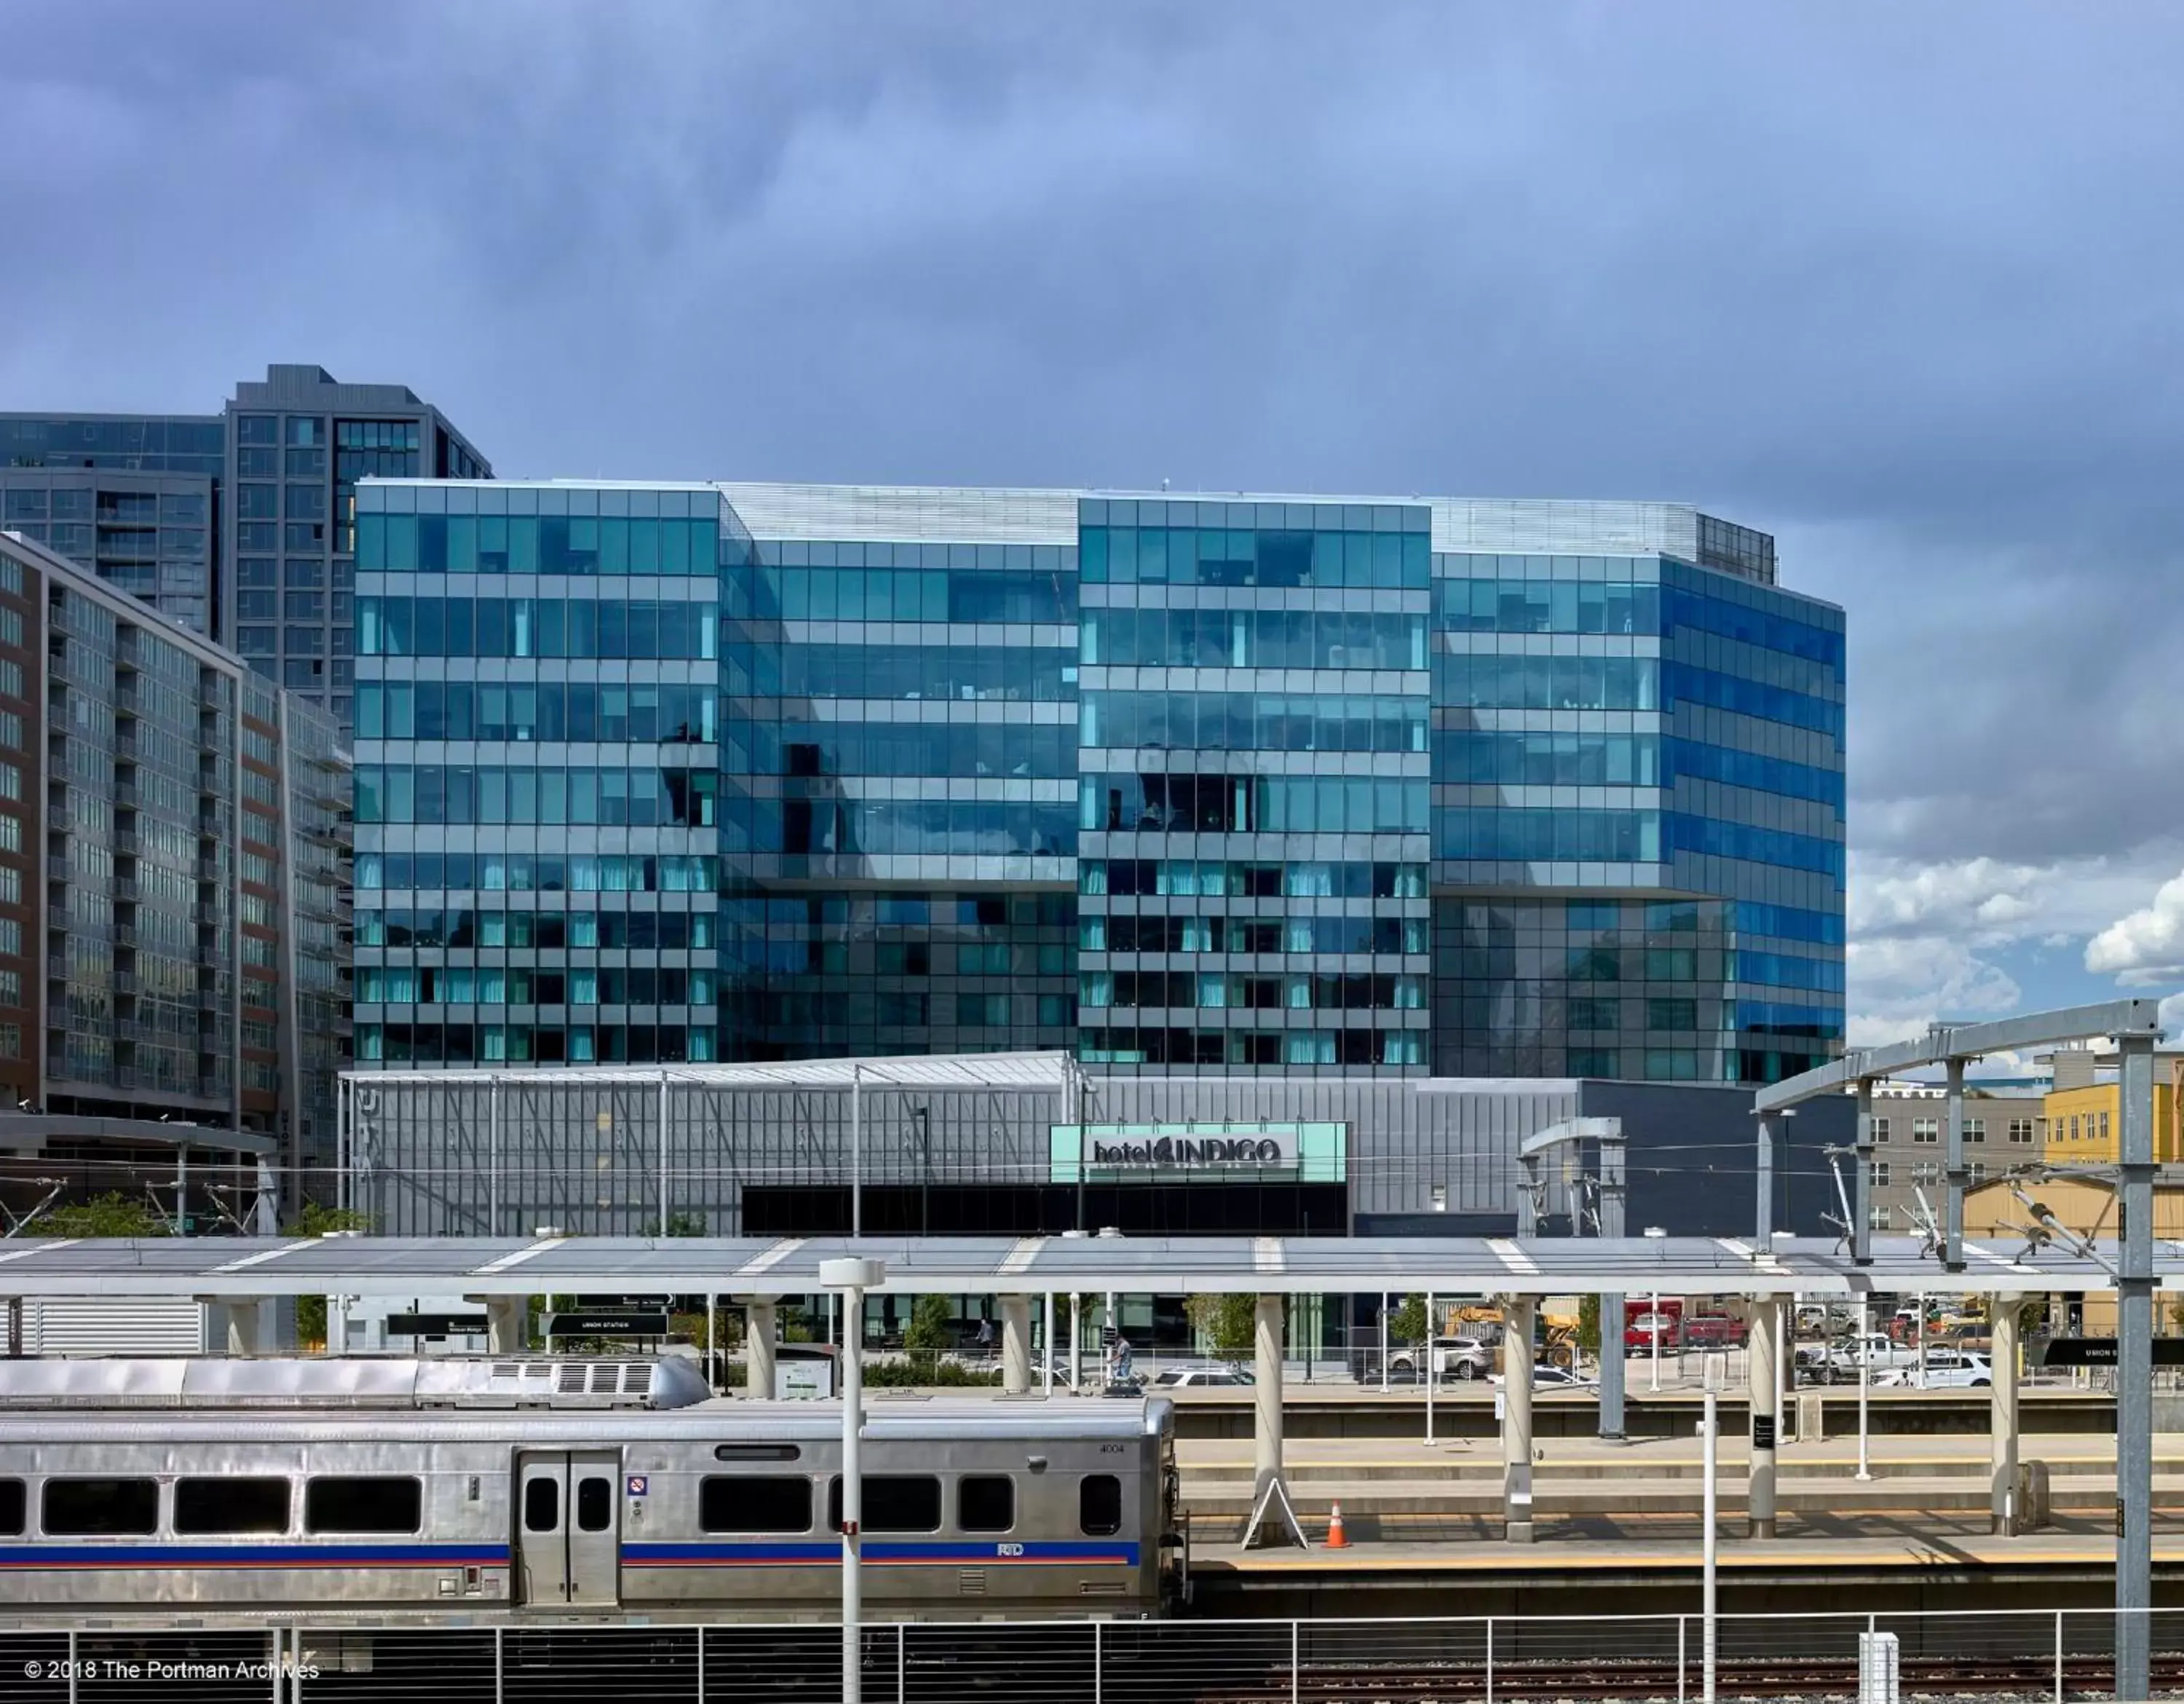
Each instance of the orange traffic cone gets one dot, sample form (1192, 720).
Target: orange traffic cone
(1337, 1540)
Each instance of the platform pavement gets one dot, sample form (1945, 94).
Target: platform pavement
(1941, 1542)
(1899, 1452)
(1452, 1491)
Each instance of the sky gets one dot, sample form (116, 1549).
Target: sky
(1897, 284)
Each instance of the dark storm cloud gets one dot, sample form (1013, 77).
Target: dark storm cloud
(1898, 284)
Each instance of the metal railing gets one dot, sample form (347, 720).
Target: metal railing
(2004, 1655)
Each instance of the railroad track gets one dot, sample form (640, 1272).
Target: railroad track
(2028, 1678)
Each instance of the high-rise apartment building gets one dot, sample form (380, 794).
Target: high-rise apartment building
(1269, 787)
(297, 443)
(135, 499)
(235, 525)
(173, 874)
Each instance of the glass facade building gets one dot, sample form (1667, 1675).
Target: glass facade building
(235, 525)
(1293, 787)
(172, 877)
(538, 777)
(134, 499)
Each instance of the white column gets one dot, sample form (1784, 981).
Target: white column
(1864, 1387)
(2001, 1413)
(1016, 1345)
(1766, 1340)
(758, 1347)
(1426, 1366)
(1711, 1451)
(1266, 1394)
(1517, 1418)
(1046, 1345)
(506, 1325)
(1076, 1342)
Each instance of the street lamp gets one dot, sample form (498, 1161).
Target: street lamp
(851, 1278)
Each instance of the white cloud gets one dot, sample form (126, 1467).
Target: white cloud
(2145, 945)
(1899, 985)
(1897, 896)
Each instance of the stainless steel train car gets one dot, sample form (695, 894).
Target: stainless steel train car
(722, 1510)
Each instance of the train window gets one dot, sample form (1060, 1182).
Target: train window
(383, 1503)
(231, 1506)
(986, 1503)
(753, 1503)
(594, 1506)
(11, 1505)
(1099, 1504)
(758, 1452)
(894, 1503)
(541, 1505)
(74, 1508)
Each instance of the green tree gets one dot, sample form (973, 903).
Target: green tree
(678, 1225)
(319, 1220)
(111, 1214)
(1588, 1324)
(928, 1331)
(1408, 1323)
(1225, 1324)
(931, 1325)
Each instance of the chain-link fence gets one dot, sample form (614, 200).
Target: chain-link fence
(2001, 1655)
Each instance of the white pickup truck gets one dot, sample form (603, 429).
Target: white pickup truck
(1877, 1351)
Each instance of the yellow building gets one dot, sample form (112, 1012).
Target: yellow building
(2085, 1125)
(1994, 1215)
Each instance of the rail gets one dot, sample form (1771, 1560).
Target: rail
(2000, 1655)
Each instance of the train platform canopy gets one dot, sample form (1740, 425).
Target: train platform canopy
(225, 1268)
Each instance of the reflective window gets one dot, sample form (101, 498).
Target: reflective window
(1100, 1504)
(231, 1506)
(370, 1504)
(541, 1505)
(893, 1503)
(91, 1508)
(986, 1503)
(753, 1503)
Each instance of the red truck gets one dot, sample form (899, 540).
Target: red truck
(1645, 1329)
(1713, 1331)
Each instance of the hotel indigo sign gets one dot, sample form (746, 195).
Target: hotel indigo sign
(1265, 1151)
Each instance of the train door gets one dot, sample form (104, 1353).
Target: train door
(568, 1510)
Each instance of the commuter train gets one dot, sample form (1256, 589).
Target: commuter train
(213, 1490)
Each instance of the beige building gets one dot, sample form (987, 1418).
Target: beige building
(2002, 1134)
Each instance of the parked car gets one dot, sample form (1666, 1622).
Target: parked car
(1713, 1331)
(1554, 1378)
(1200, 1378)
(1946, 1369)
(1453, 1357)
(1649, 1335)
